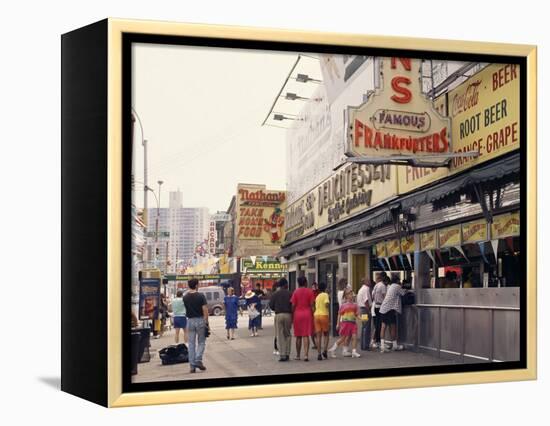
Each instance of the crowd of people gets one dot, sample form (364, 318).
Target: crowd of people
(368, 316)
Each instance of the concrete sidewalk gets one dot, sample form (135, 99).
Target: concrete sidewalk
(253, 356)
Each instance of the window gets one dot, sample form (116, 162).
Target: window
(208, 296)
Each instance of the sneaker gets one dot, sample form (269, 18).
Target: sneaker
(375, 345)
(331, 353)
(192, 370)
(355, 354)
(284, 359)
(325, 355)
(200, 366)
(319, 357)
(346, 353)
(252, 334)
(275, 352)
(397, 347)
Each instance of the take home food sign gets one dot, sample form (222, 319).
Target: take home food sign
(397, 119)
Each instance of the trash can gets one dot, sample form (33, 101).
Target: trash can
(136, 336)
(144, 344)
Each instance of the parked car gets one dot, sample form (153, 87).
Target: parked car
(214, 299)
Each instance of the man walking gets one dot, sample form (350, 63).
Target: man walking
(197, 321)
(280, 304)
(378, 295)
(364, 301)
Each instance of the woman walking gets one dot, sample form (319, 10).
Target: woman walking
(180, 320)
(302, 302)
(253, 304)
(231, 303)
(347, 326)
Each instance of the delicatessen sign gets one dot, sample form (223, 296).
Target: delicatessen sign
(349, 191)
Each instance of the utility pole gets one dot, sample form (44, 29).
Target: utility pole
(157, 221)
(145, 191)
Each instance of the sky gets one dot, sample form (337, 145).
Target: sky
(202, 110)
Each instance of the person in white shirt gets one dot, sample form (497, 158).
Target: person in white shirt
(390, 308)
(364, 301)
(378, 295)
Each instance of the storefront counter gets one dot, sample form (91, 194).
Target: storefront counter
(471, 325)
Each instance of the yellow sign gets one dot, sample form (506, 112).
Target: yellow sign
(506, 225)
(393, 247)
(353, 189)
(397, 118)
(260, 214)
(428, 240)
(380, 249)
(485, 118)
(411, 178)
(449, 237)
(473, 232)
(485, 114)
(407, 244)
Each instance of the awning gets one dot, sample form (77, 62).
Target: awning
(504, 167)
(353, 226)
(508, 166)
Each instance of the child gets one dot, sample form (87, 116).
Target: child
(347, 326)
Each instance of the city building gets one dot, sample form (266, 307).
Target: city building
(180, 230)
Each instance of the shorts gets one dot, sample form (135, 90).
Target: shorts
(321, 323)
(180, 322)
(389, 317)
(348, 328)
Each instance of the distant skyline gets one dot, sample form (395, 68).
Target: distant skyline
(201, 111)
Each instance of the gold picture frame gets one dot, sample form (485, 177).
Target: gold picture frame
(113, 396)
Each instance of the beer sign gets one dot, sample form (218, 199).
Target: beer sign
(397, 119)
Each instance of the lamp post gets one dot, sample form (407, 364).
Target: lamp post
(160, 182)
(135, 116)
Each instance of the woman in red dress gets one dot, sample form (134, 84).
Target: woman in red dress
(302, 302)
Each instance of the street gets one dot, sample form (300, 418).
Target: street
(253, 356)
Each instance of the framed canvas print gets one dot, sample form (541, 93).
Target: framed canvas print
(250, 212)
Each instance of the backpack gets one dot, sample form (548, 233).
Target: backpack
(174, 354)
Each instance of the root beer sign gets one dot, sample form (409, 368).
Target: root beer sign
(397, 119)
(485, 114)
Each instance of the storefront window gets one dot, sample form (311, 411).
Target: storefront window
(477, 266)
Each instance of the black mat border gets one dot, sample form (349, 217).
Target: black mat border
(129, 38)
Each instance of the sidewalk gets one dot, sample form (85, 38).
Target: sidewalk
(253, 356)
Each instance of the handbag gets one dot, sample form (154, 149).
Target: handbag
(252, 312)
(408, 298)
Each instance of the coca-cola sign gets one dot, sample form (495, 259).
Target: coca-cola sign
(463, 101)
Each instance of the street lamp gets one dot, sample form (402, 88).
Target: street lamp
(160, 182)
(135, 116)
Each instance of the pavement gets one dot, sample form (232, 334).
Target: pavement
(253, 356)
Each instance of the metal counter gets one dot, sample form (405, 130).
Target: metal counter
(472, 325)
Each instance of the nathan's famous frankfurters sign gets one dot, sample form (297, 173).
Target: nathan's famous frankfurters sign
(260, 214)
(397, 119)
